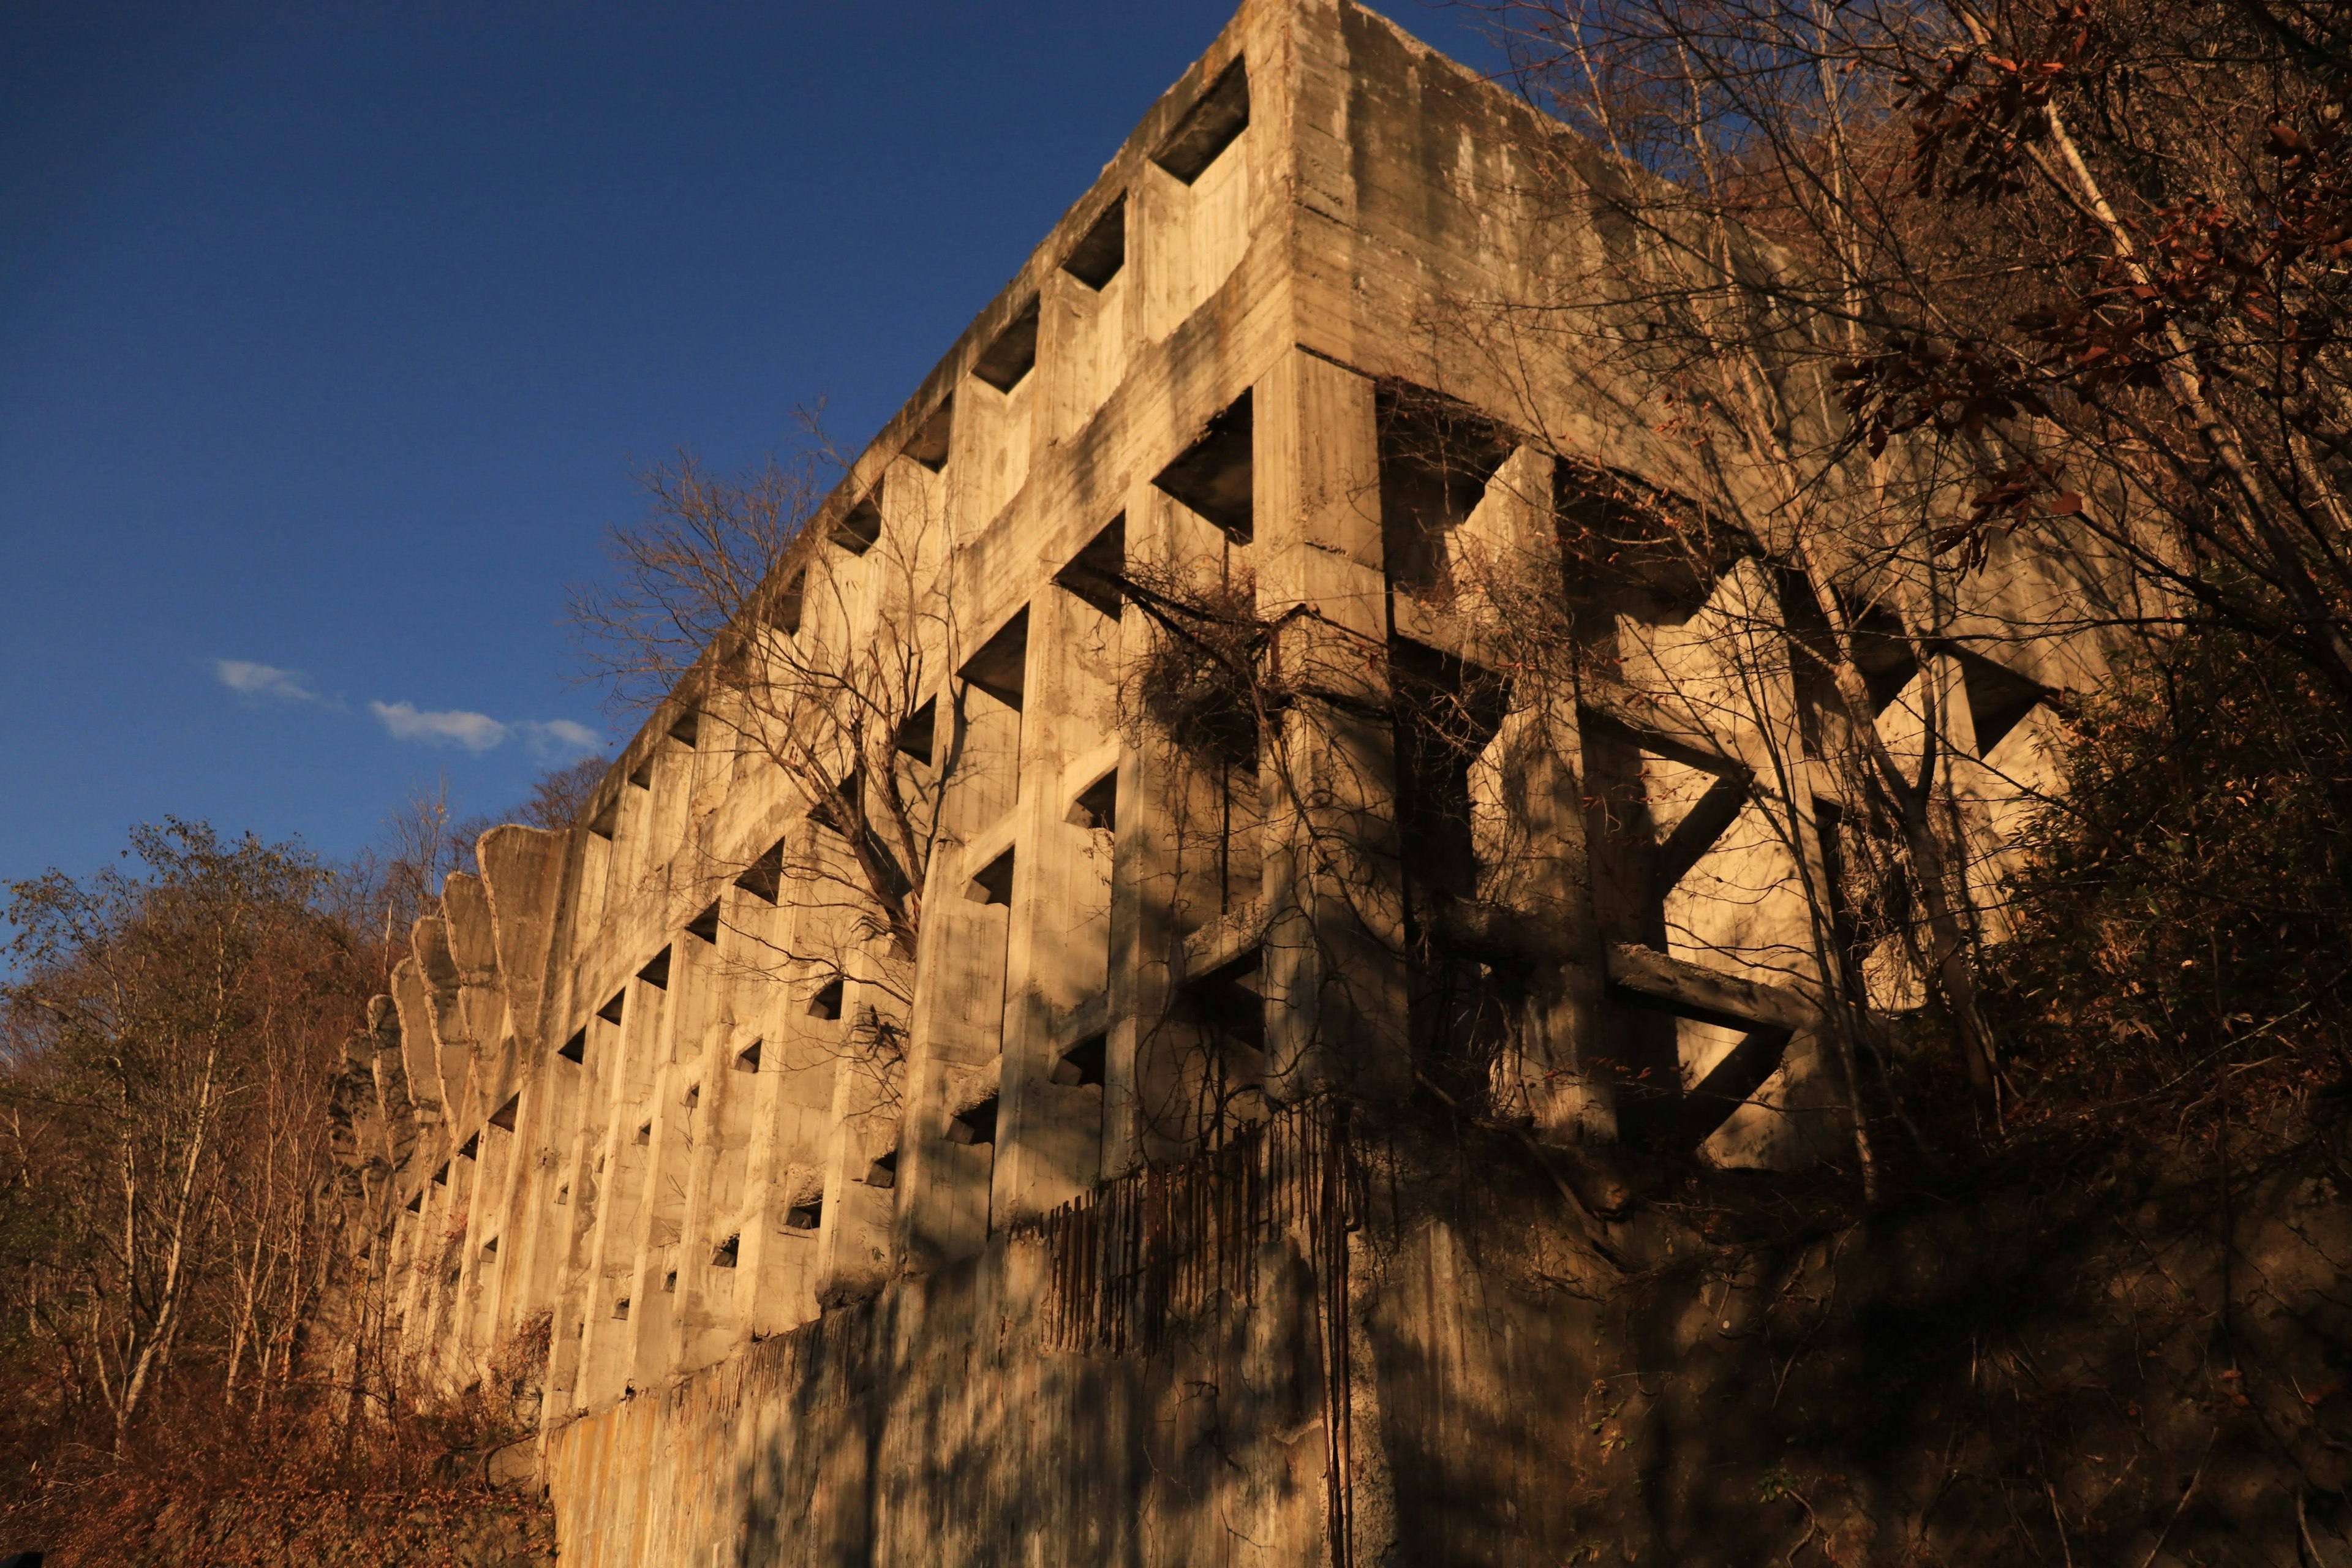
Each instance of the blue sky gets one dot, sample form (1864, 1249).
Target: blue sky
(331, 333)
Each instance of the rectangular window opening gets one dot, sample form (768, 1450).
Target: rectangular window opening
(611, 1011)
(1213, 476)
(705, 926)
(645, 1133)
(919, 736)
(884, 1172)
(1436, 456)
(1999, 698)
(930, 445)
(686, 727)
(621, 1309)
(861, 525)
(764, 879)
(1097, 804)
(1001, 668)
(975, 1126)
(503, 1118)
(575, 1049)
(471, 1147)
(1221, 115)
(748, 1058)
(826, 1003)
(642, 776)
(669, 1283)
(992, 884)
(655, 973)
(784, 607)
(840, 811)
(1097, 573)
(1010, 358)
(1097, 259)
(607, 821)
(725, 1257)
(1083, 1063)
(805, 1216)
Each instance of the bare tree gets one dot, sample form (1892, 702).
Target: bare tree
(2001, 337)
(822, 658)
(170, 1049)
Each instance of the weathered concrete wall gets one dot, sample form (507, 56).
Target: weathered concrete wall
(792, 1187)
(1949, 1384)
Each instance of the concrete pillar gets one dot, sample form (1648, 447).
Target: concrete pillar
(858, 1241)
(1335, 987)
(614, 1180)
(1049, 1126)
(943, 1181)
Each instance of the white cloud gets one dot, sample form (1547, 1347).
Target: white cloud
(560, 735)
(474, 731)
(248, 679)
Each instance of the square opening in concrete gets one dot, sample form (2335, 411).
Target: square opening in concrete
(826, 1003)
(1097, 574)
(976, 1125)
(1436, 455)
(607, 821)
(471, 1147)
(1633, 549)
(992, 883)
(883, 1172)
(416, 1203)
(704, 927)
(563, 1196)
(687, 728)
(490, 1247)
(838, 811)
(1013, 354)
(575, 1049)
(1221, 115)
(861, 525)
(724, 1258)
(805, 1216)
(611, 1011)
(1097, 804)
(1001, 668)
(930, 445)
(1213, 476)
(1231, 1002)
(917, 737)
(748, 1058)
(645, 1133)
(1999, 698)
(784, 607)
(621, 1309)
(441, 1176)
(693, 1097)
(1083, 1063)
(504, 1116)
(1881, 651)
(655, 973)
(1096, 259)
(764, 878)
(642, 776)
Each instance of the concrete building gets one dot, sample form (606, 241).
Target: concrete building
(916, 1095)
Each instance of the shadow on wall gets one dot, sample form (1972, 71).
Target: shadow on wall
(2005, 1379)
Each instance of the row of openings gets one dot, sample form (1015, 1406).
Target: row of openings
(1215, 122)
